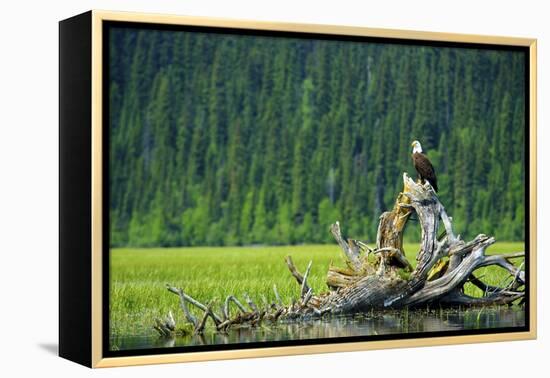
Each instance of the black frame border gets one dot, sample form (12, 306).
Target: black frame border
(75, 192)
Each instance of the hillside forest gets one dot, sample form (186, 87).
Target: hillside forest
(236, 139)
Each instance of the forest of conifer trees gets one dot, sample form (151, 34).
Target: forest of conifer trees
(220, 139)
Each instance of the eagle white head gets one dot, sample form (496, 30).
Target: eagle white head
(416, 147)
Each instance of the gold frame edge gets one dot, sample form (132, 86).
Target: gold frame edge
(533, 188)
(98, 16)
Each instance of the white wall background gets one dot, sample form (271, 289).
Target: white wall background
(29, 188)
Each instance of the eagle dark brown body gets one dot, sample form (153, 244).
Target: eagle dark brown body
(423, 166)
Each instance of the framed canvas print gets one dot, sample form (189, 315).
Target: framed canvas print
(234, 189)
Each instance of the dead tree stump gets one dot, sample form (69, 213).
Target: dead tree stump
(381, 277)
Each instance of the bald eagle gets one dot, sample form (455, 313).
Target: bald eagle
(423, 165)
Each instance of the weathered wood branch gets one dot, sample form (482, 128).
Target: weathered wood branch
(382, 277)
(438, 288)
(277, 296)
(183, 304)
(305, 288)
(165, 327)
(297, 275)
(351, 252)
(229, 299)
(200, 326)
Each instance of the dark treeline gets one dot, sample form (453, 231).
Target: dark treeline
(226, 139)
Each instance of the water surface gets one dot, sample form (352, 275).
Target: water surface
(386, 323)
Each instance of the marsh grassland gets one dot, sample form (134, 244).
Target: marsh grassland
(138, 277)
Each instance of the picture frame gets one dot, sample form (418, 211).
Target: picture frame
(85, 161)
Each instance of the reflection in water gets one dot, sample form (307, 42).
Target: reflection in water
(362, 325)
